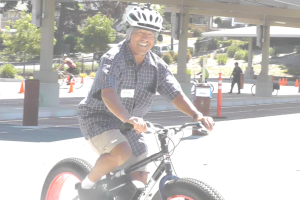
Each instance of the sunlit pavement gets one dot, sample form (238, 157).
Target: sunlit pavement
(255, 157)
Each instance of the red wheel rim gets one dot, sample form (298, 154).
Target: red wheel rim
(181, 196)
(57, 183)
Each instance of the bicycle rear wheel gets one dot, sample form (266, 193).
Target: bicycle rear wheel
(61, 180)
(212, 88)
(189, 189)
(275, 92)
(253, 90)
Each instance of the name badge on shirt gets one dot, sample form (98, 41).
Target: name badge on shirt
(127, 93)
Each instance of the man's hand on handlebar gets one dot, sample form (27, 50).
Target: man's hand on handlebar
(208, 122)
(139, 124)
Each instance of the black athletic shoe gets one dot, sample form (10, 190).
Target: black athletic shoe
(90, 194)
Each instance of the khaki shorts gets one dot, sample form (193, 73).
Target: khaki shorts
(108, 140)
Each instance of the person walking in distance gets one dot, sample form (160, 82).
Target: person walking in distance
(236, 74)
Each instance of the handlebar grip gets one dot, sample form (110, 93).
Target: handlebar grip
(125, 127)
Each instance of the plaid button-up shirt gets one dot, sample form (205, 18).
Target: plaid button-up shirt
(119, 70)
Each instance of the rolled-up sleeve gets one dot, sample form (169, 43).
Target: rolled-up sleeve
(168, 85)
(106, 77)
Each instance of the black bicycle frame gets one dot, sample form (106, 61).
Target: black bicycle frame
(165, 166)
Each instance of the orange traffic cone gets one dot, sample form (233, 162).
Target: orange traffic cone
(279, 82)
(68, 77)
(71, 86)
(297, 83)
(22, 88)
(81, 79)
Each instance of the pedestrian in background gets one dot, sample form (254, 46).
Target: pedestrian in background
(236, 74)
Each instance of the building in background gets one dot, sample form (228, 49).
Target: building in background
(11, 15)
(199, 21)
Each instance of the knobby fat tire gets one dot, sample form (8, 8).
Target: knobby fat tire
(79, 167)
(189, 187)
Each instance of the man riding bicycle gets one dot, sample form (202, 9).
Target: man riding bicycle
(71, 67)
(128, 78)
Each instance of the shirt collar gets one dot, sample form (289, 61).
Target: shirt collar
(127, 52)
(152, 62)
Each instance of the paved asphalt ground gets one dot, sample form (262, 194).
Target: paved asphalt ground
(253, 153)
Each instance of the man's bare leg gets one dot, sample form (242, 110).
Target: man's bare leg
(140, 176)
(108, 162)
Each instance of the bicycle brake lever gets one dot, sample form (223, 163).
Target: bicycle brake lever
(202, 129)
(150, 126)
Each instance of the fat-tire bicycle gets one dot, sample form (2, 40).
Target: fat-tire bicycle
(63, 80)
(195, 82)
(276, 87)
(118, 185)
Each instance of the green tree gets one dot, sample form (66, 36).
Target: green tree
(73, 15)
(1, 39)
(160, 9)
(231, 51)
(166, 16)
(11, 5)
(96, 34)
(25, 41)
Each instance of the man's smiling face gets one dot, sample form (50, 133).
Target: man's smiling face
(142, 41)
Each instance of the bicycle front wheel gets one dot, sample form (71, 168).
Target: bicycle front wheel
(61, 180)
(61, 79)
(253, 89)
(189, 189)
(193, 89)
(78, 82)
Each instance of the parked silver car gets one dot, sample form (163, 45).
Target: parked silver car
(161, 49)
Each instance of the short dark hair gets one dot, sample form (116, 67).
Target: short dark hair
(236, 63)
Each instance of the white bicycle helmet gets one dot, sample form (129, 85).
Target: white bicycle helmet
(145, 18)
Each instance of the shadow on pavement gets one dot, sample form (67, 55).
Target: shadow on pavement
(62, 101)
(57, 129)
(228, 113)
(37, 134)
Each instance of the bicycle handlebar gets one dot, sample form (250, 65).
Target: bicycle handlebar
(201, 128)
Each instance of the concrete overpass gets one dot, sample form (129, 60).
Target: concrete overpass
(266, 12)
